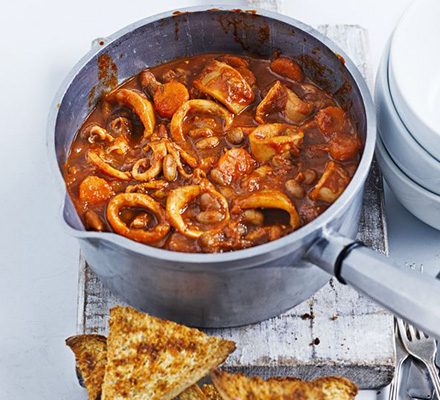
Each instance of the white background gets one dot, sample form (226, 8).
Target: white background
(41, 41)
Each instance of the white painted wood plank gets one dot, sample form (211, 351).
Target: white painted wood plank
(355, 335)
(271, 5)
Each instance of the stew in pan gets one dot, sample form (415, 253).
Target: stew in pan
(211, 153)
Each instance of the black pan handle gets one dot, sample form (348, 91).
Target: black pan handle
(408, 294)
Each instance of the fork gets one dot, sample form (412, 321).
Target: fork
(401, 356)
(422, 347)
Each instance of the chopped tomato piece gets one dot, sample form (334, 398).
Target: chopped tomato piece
(331, 120)
(288, 68)
(344, 146)
(235, 163)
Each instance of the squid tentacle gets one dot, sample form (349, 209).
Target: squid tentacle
(139, 104)
(159, 152)
(96, 158)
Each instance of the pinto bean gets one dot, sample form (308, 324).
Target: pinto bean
(209, 217)
(274, 232)
(257, 236)
(309, 176)
(295, 189)
(211, 240)
(254, 217)
(140, 222)
(208, 143)
(169, 168)
(241, 229)
(235, 136)
(218, 177)
(201, 133)
(93, 221)
(207, 163)
(207, 202)
(281, 160)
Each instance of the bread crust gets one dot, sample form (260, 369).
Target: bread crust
(240, 387)
(91, 358)
(150, 358)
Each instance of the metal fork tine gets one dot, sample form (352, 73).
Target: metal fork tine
(412, 332)
(421, 347)
(421, 334)
(402, 329)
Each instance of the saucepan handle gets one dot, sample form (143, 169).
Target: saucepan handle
(409, 294)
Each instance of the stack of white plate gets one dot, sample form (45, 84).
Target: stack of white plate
(407, 98)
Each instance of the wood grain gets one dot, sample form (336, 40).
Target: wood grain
(348, 335)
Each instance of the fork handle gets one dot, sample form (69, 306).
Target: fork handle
(434, 377)
(410, 295)
(395, 384)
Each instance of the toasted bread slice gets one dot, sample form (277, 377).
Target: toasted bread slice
(336, 388)
(91, 357)
(239, 387)
(192, 393)
(149, 358)
(211, 392)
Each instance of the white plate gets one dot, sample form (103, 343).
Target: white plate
(405, 151)
(418, 201)
(415, 72)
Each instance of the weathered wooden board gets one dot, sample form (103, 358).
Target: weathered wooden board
(349, 335)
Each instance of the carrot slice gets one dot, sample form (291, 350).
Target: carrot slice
(169, 97)
(94, 190)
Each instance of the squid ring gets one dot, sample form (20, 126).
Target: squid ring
(123, 200)
(139, 104)
(159, 153)
(271, 199)
(178, 200)
(95, 157)
(199, 105)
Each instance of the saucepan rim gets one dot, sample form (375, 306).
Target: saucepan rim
(269, 248)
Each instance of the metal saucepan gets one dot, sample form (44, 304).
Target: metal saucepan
(245, 286)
